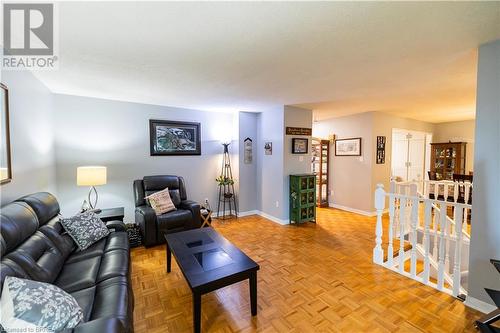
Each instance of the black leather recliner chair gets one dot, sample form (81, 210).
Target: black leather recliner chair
(34, 245)
(153, 227)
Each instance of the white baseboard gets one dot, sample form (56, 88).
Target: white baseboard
(260, 213)
(479, 305)
(352, 210)
(272, 218)
(247, 213)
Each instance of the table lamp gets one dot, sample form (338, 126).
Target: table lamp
(91, 176)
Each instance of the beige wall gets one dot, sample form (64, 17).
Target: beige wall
(350, 176)
(382, 126)
(458, 131)
(353, 180)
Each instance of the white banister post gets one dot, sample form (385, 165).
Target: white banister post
(413, 235)
(441, 260)
(402, 213)
(437, 218)
(390, 249)
(378, 252)
(427, 222)
(467, 193)
(458, 250)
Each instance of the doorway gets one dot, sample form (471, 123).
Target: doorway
(410, 155)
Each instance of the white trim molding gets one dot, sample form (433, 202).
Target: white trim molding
(352, 210)
(479, 305)
(273, 218)
(260, 213)
(248, 212)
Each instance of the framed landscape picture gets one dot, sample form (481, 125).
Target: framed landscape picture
(300, 146)
(174, 138)
(348, 147)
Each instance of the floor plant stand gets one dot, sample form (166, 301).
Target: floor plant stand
(227, 196)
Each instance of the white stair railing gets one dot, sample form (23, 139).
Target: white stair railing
(436, 241)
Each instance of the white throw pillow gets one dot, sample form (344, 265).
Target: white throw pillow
(161, 202)
(32, 306)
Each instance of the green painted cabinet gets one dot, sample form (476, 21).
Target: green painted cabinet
(302, 198)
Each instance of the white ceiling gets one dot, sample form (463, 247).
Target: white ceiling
(413, 59)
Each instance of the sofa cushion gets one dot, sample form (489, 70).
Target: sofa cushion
(95, 250)
(85, 299)
(173, 220)
(113, 263)
(117, 240)
(79, 275)
(28, 305)
(175, 196)
(39, 258)
(18, 221)
(44, 204)
(85, 229)
(112, 299)
(58, 236)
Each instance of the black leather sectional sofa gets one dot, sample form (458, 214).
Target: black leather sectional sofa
(34, 246)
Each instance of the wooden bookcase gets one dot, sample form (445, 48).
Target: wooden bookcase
(448, 158)
(319, 167)
(302, 198)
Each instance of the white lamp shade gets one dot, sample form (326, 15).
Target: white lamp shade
(91, 175)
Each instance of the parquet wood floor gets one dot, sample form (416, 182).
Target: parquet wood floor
(313, 278)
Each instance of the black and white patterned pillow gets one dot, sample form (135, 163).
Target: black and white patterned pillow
(32, 306)
(85, 229)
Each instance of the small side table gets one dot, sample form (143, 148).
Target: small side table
(112, 214)
(206, 218)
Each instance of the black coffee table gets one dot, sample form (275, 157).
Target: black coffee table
(208, 261)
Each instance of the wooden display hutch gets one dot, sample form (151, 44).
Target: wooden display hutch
(448, 158)
(319, 167)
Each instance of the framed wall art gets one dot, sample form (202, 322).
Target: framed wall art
(381, 149)
(5, 157)
(300, 146)
(348, 147)
(268, 148)
(174, 138)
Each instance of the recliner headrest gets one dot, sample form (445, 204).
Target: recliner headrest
(44, 204)
(158, 183)
(18, 221)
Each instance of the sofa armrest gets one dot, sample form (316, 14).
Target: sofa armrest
(194, 207)
(145, 218)
(116, 225)
(108, 325)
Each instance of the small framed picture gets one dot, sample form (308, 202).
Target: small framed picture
(348, 147)
(268, 148)
(300, 146)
